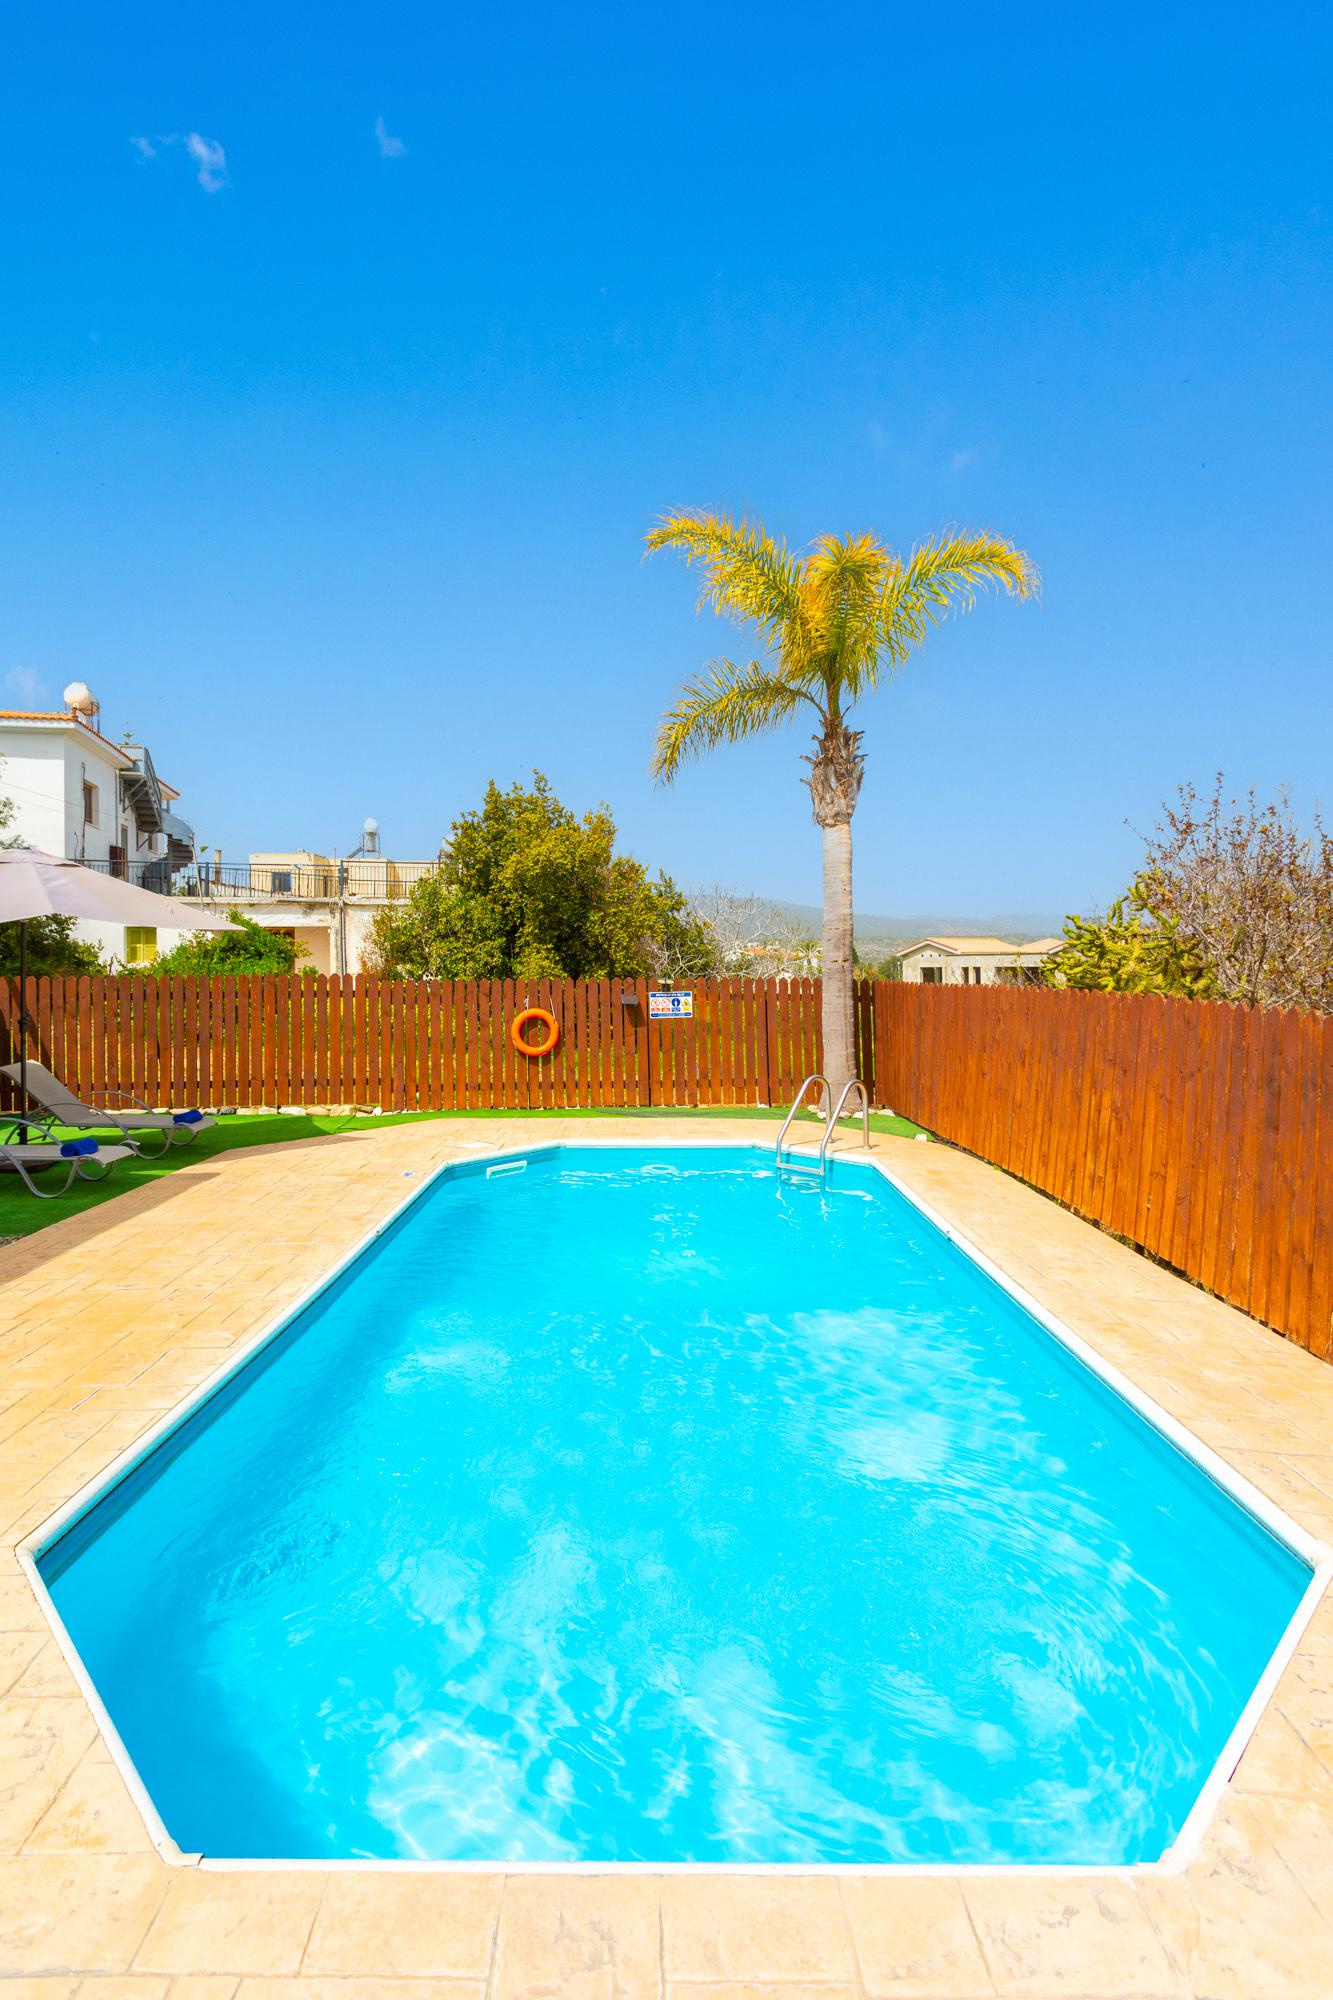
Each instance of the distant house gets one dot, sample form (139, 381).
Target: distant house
(760, 960)
(77, 794)
(324, 903)
(976, 961)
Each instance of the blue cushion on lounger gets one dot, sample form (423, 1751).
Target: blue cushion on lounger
(186, 1117)
(74, 1149)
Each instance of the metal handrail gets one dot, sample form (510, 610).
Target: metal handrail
(367, 878)
(797, 1104)
(852, 1083)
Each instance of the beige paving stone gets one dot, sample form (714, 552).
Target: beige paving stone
(424, 1926)
(21, 1408)
(913, 1937)
(41, 1744)
(1300, 1830)
(75, 1913)
(1305, 1697)
(1317, 1638)
(17, 1652)
(94, 1813)
(755, 1927)
(1041, 1935)
(582, 1937)
(1277, 1759)
(122, 1986)
(303, 1988)
(19, 1609)
(1239, 1923)
(782, 1989)
(47, 1673)
(57, 1987)
(250, 1921)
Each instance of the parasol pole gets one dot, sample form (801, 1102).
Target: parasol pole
(23, 1016)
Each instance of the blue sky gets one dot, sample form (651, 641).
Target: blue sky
(329, 435)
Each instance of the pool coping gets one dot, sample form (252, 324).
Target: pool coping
(1174, 1860)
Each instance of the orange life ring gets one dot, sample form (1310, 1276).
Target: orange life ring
(520, 1041)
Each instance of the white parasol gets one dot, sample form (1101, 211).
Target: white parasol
(33, 884)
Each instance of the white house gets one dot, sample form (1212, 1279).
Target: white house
(976, 961)
(77, 794)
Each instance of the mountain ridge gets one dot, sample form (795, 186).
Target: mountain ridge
(1019, 927)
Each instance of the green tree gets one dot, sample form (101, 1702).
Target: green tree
(530, 891)
(833, 623)
(1137, 947)
(53, 949)
(247, 948)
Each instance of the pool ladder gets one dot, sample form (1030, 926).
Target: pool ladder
(801, 1162)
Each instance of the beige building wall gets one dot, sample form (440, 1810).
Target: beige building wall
(979, 962)
(335, 935)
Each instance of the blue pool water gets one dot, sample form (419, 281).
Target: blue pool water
(636, 1506)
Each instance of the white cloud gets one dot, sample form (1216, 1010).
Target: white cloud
(391, 148)
(210, 159)
(207, 154)
(26, 685)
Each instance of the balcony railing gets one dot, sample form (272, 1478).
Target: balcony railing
(358, 880)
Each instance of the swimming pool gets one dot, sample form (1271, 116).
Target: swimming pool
(635, 1505)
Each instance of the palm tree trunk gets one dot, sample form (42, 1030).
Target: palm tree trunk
(835, 781)
(836, 1011)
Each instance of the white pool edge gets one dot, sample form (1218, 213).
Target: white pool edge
(1172, 1862)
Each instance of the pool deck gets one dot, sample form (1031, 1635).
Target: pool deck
(113, 1318)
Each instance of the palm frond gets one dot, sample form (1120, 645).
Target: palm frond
(746, 573)
(843, 563)
(948, 575)
(723, 704)
(844, 579)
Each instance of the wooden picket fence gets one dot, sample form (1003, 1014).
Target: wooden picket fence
(1202, 1132)
(419, 1045)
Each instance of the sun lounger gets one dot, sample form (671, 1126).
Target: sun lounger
(83, 1159)
(62, 1107)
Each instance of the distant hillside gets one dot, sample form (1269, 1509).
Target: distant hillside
(873, 931)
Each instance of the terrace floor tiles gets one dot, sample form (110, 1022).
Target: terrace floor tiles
(578, 1937)
(109, 1323)
(41, 1745)
(92, 1814)
(755, 1927)
(249, 1921)
(914, 1938)
(1093, 1938)
(439, 1928)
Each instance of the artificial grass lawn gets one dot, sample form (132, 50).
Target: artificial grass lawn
(21, 1213)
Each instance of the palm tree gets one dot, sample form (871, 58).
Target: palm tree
(833, 623)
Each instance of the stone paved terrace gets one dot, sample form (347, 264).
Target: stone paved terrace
(111, 1319)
